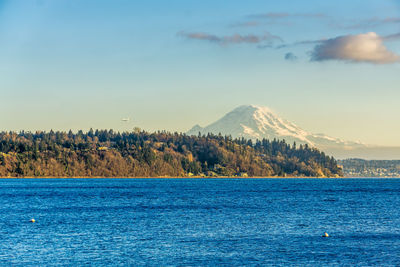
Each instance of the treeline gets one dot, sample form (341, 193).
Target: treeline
(105, 153)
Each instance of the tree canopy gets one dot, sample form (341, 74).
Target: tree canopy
(105, 153)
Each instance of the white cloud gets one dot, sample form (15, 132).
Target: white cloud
(368, 47)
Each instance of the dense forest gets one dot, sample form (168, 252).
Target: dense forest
(105, 153)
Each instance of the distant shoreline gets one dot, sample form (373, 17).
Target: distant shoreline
(187, 177)
(163, 177)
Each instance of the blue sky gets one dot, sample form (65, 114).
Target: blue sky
(71, 64)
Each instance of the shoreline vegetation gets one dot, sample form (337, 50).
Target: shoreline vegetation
(139, 154)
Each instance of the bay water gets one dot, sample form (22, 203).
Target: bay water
(200, 222)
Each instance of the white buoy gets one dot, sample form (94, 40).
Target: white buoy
(32, 220)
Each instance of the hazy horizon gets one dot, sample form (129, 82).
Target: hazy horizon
(328, 67)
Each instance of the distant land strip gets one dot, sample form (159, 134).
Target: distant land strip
(371, 168)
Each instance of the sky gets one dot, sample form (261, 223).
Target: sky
(329, 66)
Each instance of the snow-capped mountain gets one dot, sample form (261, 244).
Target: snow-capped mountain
(254, 122)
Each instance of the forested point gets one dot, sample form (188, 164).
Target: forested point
(105, 153)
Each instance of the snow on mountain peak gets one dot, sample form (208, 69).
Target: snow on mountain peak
(252, 109)
(257, 122)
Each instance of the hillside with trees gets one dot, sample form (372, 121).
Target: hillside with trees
(105, 153)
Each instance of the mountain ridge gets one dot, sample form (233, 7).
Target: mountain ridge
(257, 122)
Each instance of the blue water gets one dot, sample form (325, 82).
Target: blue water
(196, 222)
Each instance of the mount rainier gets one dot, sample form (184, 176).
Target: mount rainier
(255, 122)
